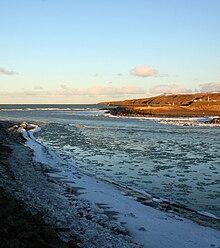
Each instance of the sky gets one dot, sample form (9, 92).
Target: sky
(87, 51)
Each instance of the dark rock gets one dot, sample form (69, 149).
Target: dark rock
(215, 121)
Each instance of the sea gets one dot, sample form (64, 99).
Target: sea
(176, 159)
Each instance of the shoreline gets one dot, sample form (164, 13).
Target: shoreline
(159, 112)
(18, 226)
(89, 222)
(75, 220)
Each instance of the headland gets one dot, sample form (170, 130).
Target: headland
(169, 105)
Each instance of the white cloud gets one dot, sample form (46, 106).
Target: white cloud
(210, 87)
(38, 87)
(5, 71)
(144, 71)
(163, 75)
(168, 88)
(65, 94)
(104, 91)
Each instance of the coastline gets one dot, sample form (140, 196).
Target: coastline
(86, 221)
(74, 220)
(160, 112)
(18, 226)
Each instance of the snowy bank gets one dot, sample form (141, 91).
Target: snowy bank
(106, 211)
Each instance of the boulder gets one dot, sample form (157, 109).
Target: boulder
(24, 124)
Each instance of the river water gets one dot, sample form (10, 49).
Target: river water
(175, 159)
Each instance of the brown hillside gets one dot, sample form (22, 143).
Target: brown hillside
(178, 99)
(202, 104)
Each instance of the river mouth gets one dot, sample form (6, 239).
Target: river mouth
(175, 159)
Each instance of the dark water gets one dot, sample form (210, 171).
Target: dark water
(179, 163)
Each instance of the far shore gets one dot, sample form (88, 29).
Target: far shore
(170, 105)
(162, 111)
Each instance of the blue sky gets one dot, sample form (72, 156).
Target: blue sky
(54, 51)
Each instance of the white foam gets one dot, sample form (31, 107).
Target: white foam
(178, 121)
(188, 123)
(49, 109)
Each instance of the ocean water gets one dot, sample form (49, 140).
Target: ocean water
(176, 159)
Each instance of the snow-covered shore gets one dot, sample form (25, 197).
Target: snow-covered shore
(91, 209)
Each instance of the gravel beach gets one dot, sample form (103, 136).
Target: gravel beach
(18, 226)
(32, 213)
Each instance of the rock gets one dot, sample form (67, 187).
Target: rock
(215, 121)
(13, 128)
(30, 127)
(24, 124)
(20, 128)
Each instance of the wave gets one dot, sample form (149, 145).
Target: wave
(49, 109)
(196, 123)
(177, 121)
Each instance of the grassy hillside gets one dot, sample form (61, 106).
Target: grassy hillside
(201, 104)
(177, 99)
